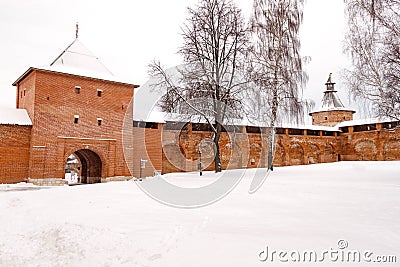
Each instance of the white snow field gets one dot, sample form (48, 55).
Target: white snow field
(298, 209)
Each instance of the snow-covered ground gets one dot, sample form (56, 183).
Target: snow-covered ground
(116, 224)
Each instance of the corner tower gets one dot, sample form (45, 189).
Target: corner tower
(332, 110)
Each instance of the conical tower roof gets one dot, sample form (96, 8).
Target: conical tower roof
(76, 55)
(330, 100)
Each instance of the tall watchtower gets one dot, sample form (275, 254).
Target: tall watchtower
(77, 107)
(332, 111)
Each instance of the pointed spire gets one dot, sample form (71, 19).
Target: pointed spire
(76, 30)
(330, 86)
(331, 100)
(330, 78)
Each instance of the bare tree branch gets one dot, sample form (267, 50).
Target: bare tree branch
(214, 45)
(373, 43)
(275, 63)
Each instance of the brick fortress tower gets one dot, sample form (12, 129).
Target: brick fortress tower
(332, 110)
(77, 108)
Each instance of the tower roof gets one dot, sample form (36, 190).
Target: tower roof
(77, 60)
(76, 55)
(331, 100)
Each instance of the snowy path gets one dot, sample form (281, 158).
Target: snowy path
(116, 224)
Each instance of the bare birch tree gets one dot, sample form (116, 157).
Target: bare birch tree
(215, 38)
(373, 42)
(275, 64)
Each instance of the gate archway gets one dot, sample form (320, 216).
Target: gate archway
(88, 166)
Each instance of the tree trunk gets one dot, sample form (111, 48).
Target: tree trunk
(275, 105)
(217, 158)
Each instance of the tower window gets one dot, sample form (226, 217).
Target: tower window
(24, 92)
(99, 92)
(99, 121)
(76, 119)
(326, 118)
(77, 89)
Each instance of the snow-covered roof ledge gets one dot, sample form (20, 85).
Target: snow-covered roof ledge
(163, 117)
(331, 109)
(309, 127)
(12, 116)
(76, 72)
(364, 121)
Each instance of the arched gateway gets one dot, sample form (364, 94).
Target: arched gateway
(85, 165)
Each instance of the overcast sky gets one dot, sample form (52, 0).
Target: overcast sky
(127, 35)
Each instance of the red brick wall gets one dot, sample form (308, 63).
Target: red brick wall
(26, 94)
(379, 144)
(172, 151)
(236, 150)
(179, 150)
(55, 105)
(249, 149)
(146, 146)
(305, 149)
(14, 153)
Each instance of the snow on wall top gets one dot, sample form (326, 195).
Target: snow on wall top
(309, 127)
(163, 117)
(331, 109)
(364, 121)
(12, 116)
